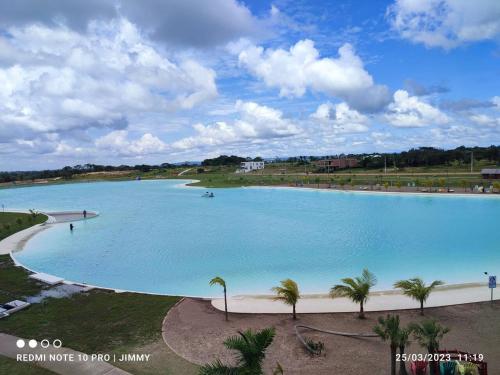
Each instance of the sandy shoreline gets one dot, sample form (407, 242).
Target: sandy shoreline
(446, 295)
(17, 241)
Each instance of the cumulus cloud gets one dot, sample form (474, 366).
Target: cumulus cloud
(483, 119)
(410, 111)
(254, 123)
(62, 81)
(300, 68)
(118, 142)
(445, 23)
(340, 118)
(183, 22)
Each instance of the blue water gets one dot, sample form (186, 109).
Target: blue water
(159, 237)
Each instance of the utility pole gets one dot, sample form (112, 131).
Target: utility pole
(471, 161)
(385, 164)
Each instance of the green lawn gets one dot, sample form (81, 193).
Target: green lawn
(11, 366)
(12, 222)
(100, 322)
(94, 322)
(14, 284)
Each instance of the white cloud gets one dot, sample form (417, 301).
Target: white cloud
(118, 142)
(340, 118)
(496, 101)
(482, 119)
(446, 23)
(180, 22)
(254, 123)
(300, 68)
(62, 81)
(410, 111)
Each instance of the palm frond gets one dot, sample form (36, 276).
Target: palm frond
(218, 281)
(218, 368)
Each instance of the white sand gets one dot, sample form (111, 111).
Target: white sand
(378, 301)
(17, 241)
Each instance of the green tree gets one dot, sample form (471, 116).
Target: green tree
(430, 184)
(388, 330)
(250, 350)
(288, 293)
(403, 342)
(220, 281)
(463, 183)
(428, 334)
(357, 289)
(416, 289)
(398, 184)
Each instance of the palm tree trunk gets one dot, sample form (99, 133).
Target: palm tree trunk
(225, 303)
(422, 307)
(294, 314)
(402, 365)
(434, 366)
(361, 311)
(393, 359)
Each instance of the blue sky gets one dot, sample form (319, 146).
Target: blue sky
(115, 82)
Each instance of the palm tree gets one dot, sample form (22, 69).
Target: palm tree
(404, 341)
(416, 289)
(288, 293)
(220, 281)
(388, 330)
(356, 289)
(251, 350)
(428, 334)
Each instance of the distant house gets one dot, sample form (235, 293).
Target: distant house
(334, 164)
(248, 166)
(490, 173)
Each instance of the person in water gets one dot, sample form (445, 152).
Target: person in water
(84, 214)
(71, 227)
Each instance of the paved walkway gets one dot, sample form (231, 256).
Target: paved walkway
(9, 348)
(446, 295)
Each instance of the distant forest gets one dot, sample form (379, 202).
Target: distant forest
(418, 157)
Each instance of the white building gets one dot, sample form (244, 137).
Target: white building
(248, 166)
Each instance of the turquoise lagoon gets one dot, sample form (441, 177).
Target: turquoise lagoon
(163, 237)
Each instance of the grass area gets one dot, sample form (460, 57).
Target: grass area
(14, 283)
(103, 322)
(12, 222)
(11, 366)
(95, 322)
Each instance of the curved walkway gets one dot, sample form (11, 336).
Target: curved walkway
(9, 348)
(445, 295)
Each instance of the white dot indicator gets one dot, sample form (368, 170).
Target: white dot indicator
(57, 343)
(20, 343)
(32, 343)
(45, 343)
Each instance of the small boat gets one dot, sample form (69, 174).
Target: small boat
(208, 195)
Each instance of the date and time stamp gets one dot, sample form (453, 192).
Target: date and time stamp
(440, 357)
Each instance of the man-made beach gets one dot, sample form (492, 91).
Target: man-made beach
(195, 330)
(378, 301)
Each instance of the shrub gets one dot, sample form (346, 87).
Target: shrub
(317, 346)
(19, 221)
